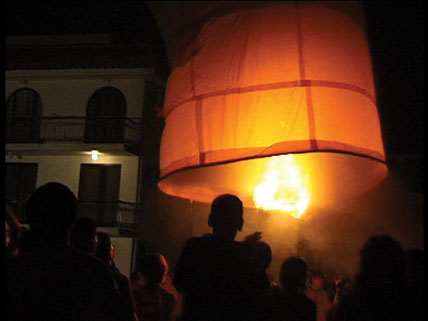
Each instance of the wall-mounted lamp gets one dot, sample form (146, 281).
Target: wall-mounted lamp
(94, 154)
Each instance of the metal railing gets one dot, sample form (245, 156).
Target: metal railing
(111, 214)
(106, 214)
(81, 130)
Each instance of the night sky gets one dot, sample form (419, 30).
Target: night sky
(396, 38)
(395, 30)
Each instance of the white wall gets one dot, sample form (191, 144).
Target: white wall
(66, 92)
(123, 257)
(66, 169)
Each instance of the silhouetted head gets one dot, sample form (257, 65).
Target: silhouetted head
(226, 215)
(263, 253)
(140, 254)
(51, 209)
(382, 261)
(292, 275)
(82, 234)
(103, 247)
(153, 269)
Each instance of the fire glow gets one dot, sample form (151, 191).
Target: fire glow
(283, 187)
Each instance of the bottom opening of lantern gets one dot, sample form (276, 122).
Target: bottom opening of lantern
(285, 184)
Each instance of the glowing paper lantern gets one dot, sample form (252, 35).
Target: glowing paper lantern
(251, 80)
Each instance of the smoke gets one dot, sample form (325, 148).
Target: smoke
(329, 238)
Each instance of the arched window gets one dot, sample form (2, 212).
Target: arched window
(24, 110)
(105, 116)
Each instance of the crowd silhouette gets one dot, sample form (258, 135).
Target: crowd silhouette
(63, 269)
(291, 301)
(49, 280)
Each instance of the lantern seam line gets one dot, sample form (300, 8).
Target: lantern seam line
(374, 158)
(199, 130)
(308, 96)
(198, 113)
(299, 42)
(274, 86)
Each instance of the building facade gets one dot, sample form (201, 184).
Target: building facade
(75, 113)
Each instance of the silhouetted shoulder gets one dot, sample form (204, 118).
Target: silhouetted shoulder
(296, 307)
(190, 258)
(64, 285)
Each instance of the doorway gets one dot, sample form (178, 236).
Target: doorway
(99, 187)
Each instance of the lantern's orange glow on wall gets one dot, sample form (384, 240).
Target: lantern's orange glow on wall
(254, 80)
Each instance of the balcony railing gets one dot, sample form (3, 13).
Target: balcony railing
(76, 130)
(110, 214)
(105, 214)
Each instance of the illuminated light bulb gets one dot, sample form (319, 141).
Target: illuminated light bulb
(283, 187)
(94, 154)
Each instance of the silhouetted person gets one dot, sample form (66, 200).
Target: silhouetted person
(318, 294)
(51, 281)
(213, 272)
(415, 284)
(291, 304)
(82, 235)
(260, 256)
(262, 253)
(103, 251)
(154, 302)
(379, 290)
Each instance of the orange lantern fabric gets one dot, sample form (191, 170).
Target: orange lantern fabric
(252, 80)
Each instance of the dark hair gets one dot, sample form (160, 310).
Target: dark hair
(153, 268)
(379, 291)
(51, 208)
(293, 274)
(382, 261)
(263, 253)
(226, 210)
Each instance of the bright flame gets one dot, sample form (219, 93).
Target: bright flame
(283, 187)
